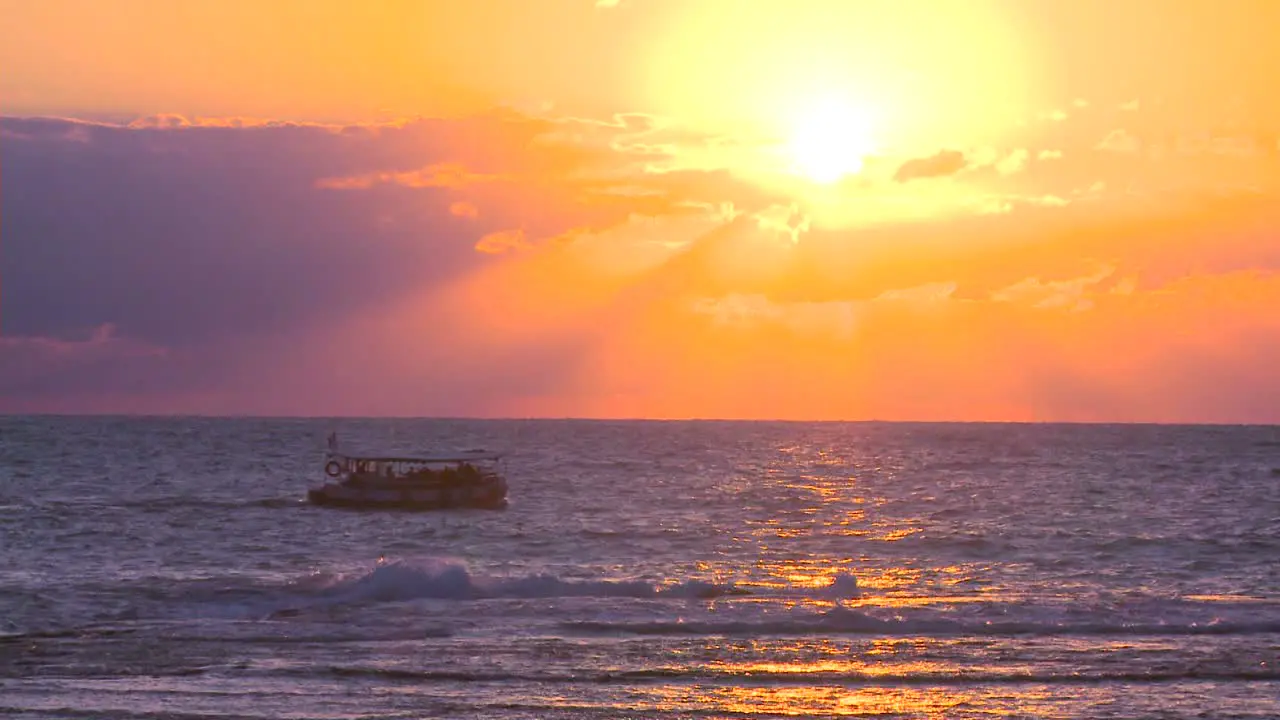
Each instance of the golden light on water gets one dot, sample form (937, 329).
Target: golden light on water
(828, 700)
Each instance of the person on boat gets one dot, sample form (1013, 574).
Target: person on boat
(449, 475)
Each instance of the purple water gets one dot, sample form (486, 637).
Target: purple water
(169, 568)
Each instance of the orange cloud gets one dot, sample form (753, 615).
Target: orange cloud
(176, 121)
(1014, 162)
(503, 241)
(447, 175)
(628, 267)
(940, 164)
(944, 358)
(463, 209)
(1075, 313)
(1120, 141)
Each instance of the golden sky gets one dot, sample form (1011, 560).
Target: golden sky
(953, 209)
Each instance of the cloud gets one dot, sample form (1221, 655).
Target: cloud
(503, 241)
(837, 319)
(1075, 352)
(165, 121)
(226, 223)
(175, 121)
(940, 164)
(1063, 293)
(1013, 162)
(464, 209)
(182, 236)
(1120, 141)
(285, 268)
(34, 366)
(443, 175)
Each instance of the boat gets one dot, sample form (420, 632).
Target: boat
(467, 479)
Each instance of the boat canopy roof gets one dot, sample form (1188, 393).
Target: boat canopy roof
(455, 457)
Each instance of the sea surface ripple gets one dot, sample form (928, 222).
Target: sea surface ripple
(170, 568)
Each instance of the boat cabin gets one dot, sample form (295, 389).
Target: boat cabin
(463, 467)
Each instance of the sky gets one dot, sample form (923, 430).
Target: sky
(982, 210)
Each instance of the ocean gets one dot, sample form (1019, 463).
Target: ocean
(170, 568)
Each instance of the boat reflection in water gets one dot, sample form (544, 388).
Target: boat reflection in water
(468, 479)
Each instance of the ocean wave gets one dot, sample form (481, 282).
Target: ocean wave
(179, 502)
(449, 579)
(443, 579)
(842, 621)
(153, 504)
(708, 607)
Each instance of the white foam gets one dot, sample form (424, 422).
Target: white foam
(842, 586)
(451, 579)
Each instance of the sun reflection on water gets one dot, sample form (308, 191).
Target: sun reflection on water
(812, 700)
(831, 543)
(882, 676)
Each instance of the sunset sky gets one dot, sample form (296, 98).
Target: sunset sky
(839, 209)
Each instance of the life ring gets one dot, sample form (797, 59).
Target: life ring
(333, 468)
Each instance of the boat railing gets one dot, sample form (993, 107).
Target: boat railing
(410, 469)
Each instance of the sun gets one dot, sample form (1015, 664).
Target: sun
(830, 140)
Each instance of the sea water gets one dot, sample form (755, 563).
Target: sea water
(169, 567)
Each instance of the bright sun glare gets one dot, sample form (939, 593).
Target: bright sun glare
(829, 141)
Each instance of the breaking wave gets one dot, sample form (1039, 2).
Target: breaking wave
(838, 608)
(447, 579)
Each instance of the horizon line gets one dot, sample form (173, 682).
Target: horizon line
(573, 418)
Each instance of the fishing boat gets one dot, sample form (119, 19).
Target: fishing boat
(468, 479)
